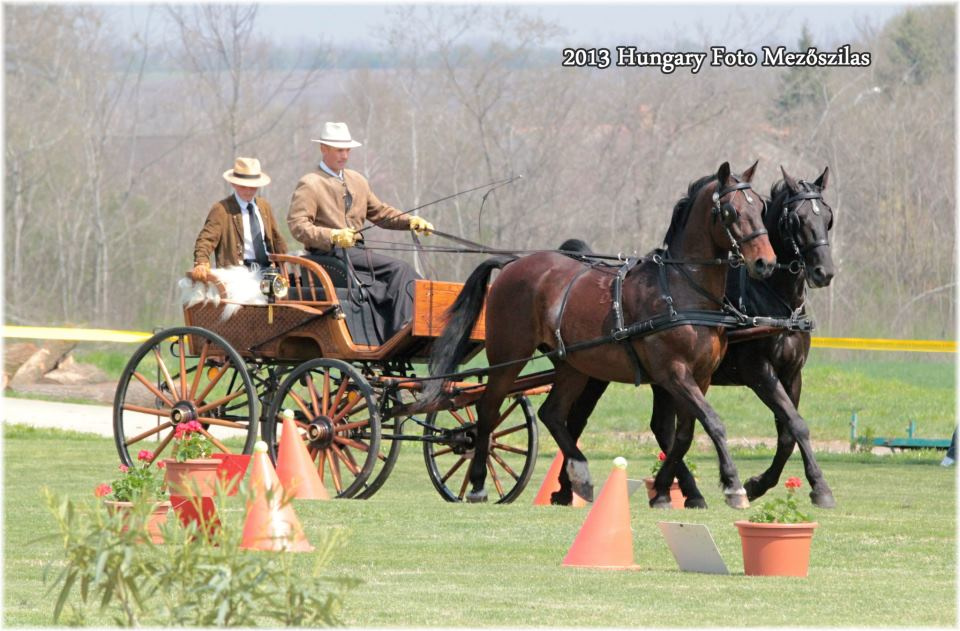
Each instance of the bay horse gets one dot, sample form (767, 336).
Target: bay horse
(799, 221)
(548, 301)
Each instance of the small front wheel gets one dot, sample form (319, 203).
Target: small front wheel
(335, 411)
(448, 450)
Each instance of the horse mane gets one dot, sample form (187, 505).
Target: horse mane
(681, 210)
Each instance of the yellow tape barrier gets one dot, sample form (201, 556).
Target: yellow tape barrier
(107, 335)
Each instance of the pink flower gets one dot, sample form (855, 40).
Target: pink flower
(661, 456)
(194, 426)
(145, 455)
(124, 468)
(162, 464)
(793, 483)
(102, 490)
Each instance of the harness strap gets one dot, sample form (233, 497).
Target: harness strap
(561, 350)
(618, 331)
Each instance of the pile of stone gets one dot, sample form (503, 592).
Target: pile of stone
(26, 364)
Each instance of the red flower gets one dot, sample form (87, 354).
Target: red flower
(662, 456)
(793, 483)
(145, 455)
(124, 468)
(102, 490)
(162, 464)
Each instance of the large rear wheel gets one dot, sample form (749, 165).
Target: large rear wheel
(449, 449)
(335, 411)
(179, 375)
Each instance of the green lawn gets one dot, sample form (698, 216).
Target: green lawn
(884, 557)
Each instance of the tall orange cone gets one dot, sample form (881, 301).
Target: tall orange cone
(551, 484)
(295, 468)
(271, 523)
(605, 539)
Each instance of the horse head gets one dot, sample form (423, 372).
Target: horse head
(737, 223)
(803, 226)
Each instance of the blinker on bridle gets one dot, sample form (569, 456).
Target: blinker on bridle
(790, 220)
(729, 215)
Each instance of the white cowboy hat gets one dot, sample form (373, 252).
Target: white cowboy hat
(336, 135)
(246, 172)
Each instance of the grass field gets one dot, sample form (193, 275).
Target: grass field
(885, 556)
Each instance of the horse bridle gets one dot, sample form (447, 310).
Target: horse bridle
(729, 215)
(790, 224)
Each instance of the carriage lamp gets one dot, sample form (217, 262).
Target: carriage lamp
(273, 285)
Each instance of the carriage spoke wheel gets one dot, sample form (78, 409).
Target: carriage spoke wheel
(449, 450)
(180, 375)
(335, 411)
(386, 456)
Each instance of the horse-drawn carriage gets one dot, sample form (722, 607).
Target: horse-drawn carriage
(661, 319)
(312, 348)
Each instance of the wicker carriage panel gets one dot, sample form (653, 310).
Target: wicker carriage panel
(251, 333)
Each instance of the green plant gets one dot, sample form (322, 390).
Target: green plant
(140, 480)
(661, 457)
(193, 580)
(189, 442)
(782, 510)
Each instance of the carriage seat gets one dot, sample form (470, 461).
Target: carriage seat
(335, 268)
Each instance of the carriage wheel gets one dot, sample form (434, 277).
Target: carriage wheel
(386, 458)
(512, 456)
(180, 375)
(335, 411)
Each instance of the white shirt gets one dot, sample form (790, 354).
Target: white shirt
(248, 253)
(324, 167)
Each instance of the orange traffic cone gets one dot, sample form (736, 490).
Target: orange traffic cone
(551, 484)
(605, 539)
(295, 468)
(271, 523)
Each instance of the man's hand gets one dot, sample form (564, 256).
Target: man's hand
(344, 237)
(421, 225)
(200, 272)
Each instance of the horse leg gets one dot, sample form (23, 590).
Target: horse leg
(792, 430)
(689, 400)
(488, 414)
(576, 422)
(663, 425)
(568, 387)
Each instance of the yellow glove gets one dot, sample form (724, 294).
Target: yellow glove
(419, 224)
(344, 237)
(200, 272)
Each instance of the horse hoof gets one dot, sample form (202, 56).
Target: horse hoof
(580, 481)
(583, 490)
(662, 502)
(753, 488)
(559, 498)
(477, 497)
(736, 499)
(823, 500)
(695, 502)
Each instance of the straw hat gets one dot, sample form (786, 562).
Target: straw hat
(336, 135)
(246, 172)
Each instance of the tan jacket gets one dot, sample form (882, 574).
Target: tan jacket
(317, 207)
(222, 233)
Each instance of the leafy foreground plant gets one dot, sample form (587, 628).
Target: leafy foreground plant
(191, 580)
(782, 510)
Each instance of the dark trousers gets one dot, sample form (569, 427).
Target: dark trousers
(388, 283)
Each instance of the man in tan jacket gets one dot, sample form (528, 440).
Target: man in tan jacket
(328, 209)
(240, 228)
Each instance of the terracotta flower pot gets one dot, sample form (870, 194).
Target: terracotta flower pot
(676, 495)
(192, 477)
(775, 549)
(158, 516)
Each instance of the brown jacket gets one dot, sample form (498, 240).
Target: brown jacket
(222, 233)
(317, 207)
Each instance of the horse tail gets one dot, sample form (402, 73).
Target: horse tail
(451, 347)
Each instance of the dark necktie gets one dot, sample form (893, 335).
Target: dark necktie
(259, 248)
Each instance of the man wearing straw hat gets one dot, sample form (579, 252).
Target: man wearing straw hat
(328, 209)
(240, 229)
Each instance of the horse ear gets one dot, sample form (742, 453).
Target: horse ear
(791, 183)
(822, 180)
(723, 173)
(748, 174)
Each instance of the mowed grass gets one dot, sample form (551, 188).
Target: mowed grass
(886, 556)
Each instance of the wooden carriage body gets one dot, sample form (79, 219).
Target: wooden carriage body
(309, 322)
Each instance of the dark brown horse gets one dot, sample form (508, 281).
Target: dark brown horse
(549, 301)
(798, 220)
